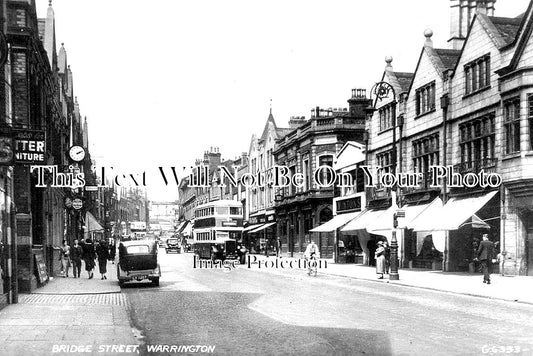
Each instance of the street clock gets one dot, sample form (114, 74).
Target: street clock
(76, 153)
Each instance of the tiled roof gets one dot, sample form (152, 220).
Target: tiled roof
(507, 27)
(449, 57)
(404, 79)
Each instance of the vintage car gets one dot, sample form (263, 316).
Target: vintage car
(173, 244)
(137, 261)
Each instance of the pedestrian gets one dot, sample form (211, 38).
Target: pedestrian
(387, 256)
(89, 256)
(380, 259)
(76, 254)
(485, 252)
(312, 253)
(112, 251)
(102, 251)
(64, 257)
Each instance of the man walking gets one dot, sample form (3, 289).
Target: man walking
(76, 253)
(484, 255)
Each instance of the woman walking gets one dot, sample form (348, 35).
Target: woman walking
(102, 251)
(64, 257)
(380, 259)
(89, 256)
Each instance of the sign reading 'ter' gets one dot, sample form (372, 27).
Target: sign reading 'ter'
(29, 146)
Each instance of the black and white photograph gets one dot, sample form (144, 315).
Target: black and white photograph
(251, 177)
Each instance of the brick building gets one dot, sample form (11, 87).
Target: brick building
(310, 144)
(43, 101)
(260, 203)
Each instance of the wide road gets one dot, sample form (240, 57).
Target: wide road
(257, 312)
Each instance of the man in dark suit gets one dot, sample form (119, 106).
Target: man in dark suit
(485, 252)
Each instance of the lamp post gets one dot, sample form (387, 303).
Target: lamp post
(383, 90)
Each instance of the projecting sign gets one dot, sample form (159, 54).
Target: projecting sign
(77, 204)
(29, 146)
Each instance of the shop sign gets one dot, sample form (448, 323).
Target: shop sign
(351, 204)
(77, 204)
(229, 223)
(6, 147)
(29, 146)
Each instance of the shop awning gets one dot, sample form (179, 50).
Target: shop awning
(476, 223)
(252, 227)
(336, 222)
(366, 218)
(187, 230)
(181, 226)
(262, 227)
(452, 215)
(91, 224)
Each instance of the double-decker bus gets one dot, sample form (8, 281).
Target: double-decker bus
(217, 224)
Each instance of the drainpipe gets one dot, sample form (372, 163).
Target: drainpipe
(444, 103)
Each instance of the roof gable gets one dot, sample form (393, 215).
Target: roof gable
(522, 37)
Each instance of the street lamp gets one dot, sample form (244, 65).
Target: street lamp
(383, 90)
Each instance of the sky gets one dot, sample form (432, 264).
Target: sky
(162, 81)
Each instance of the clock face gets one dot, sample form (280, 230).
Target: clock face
(77, 153)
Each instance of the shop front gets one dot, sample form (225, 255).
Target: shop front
(451, 233)
(260, 234)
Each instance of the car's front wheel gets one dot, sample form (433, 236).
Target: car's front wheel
(155, 282)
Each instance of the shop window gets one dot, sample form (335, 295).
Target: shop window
(512, 125)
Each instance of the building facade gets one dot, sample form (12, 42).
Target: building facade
(466, 107)
(261, 230)
(309, 145)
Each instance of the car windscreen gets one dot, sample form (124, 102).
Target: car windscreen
(134, 249)
(172, 241)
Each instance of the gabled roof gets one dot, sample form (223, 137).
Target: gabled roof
(441, 58)
(448, 57)
(507, 27)
(404, 79)
(522, 35)
(270, 121)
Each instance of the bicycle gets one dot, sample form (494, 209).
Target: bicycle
(311, 265)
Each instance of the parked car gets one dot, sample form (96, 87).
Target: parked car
(138, 262)
(173, 244)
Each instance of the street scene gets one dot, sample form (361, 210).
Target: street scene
(266, 178)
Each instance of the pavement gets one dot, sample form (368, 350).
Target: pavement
(69, 315)
(508, 288)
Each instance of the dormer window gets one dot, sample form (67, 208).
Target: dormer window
(477, 75)
(425, 99)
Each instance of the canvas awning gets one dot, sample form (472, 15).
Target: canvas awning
(181, 226)
(364, 219)
(91, 224)
(252, 227)
(187, 230)
(337, 222)
(476, 223)
(262, 227)
(452, 215)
